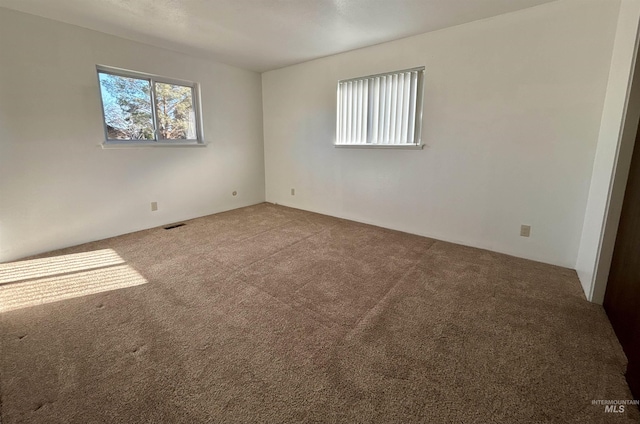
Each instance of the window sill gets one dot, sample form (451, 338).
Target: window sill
(135, 145)
(381, 146)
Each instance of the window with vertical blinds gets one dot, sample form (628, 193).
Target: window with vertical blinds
(380, 110)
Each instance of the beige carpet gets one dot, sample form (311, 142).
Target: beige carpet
(273, 315)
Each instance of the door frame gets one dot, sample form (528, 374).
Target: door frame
(621, 163)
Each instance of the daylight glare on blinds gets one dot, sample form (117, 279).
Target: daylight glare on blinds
(380, 109)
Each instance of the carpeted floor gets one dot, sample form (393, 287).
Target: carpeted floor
(273, 315)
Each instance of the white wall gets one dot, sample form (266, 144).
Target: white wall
(512, 113)
(613, 158)
(59, 188)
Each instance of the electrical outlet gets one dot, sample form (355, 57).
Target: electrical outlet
(293, 191)
(525, 230)
(154, 206)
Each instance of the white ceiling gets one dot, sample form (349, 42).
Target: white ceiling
(266, 34)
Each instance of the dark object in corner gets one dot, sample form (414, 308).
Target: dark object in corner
(173, 226)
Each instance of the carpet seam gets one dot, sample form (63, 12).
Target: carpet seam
(282, 248)
(320, 313)
(292, 307)
(237, 272)
(397, 283)
(256, 234)
(265, 231)
(275, 228)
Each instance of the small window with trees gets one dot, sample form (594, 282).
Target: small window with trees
(144, 109)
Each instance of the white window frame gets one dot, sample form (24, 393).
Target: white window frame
(417, 124)
(153, 79)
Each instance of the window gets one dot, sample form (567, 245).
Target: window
(143, 109)
(383, 110)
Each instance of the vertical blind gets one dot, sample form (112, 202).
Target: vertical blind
(380, 109)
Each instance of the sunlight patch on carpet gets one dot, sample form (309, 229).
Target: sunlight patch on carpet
(40, 281)
(63, 264)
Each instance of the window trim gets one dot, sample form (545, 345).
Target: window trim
(418, 145)
(406, 146)
(153, 79)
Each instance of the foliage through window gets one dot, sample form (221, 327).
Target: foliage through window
(145, 109)
(383, 110)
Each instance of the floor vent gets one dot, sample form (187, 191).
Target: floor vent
(174, 226)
